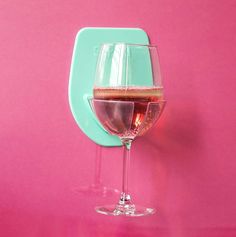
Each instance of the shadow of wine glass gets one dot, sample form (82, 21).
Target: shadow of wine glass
(179, 130)
(170, 151)
(97, 188)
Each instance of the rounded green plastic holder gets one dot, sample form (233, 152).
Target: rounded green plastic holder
(82, 72)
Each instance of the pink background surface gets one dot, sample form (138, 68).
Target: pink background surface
(185, 167)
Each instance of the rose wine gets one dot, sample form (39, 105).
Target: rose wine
(128, 112)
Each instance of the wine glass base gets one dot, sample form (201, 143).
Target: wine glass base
(125, 210)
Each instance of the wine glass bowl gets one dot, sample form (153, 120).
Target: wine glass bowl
(127, 119)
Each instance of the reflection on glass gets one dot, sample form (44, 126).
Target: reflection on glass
(97, 188)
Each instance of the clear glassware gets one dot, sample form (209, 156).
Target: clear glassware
(127, 100)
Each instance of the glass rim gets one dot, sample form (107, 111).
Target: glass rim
(129, 44)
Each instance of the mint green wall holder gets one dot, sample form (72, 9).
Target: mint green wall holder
(83, 65)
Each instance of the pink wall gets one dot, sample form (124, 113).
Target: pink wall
(185, 167)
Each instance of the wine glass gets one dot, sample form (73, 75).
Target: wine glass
(127, 100)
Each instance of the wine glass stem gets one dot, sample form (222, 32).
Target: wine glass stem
(125, 197)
